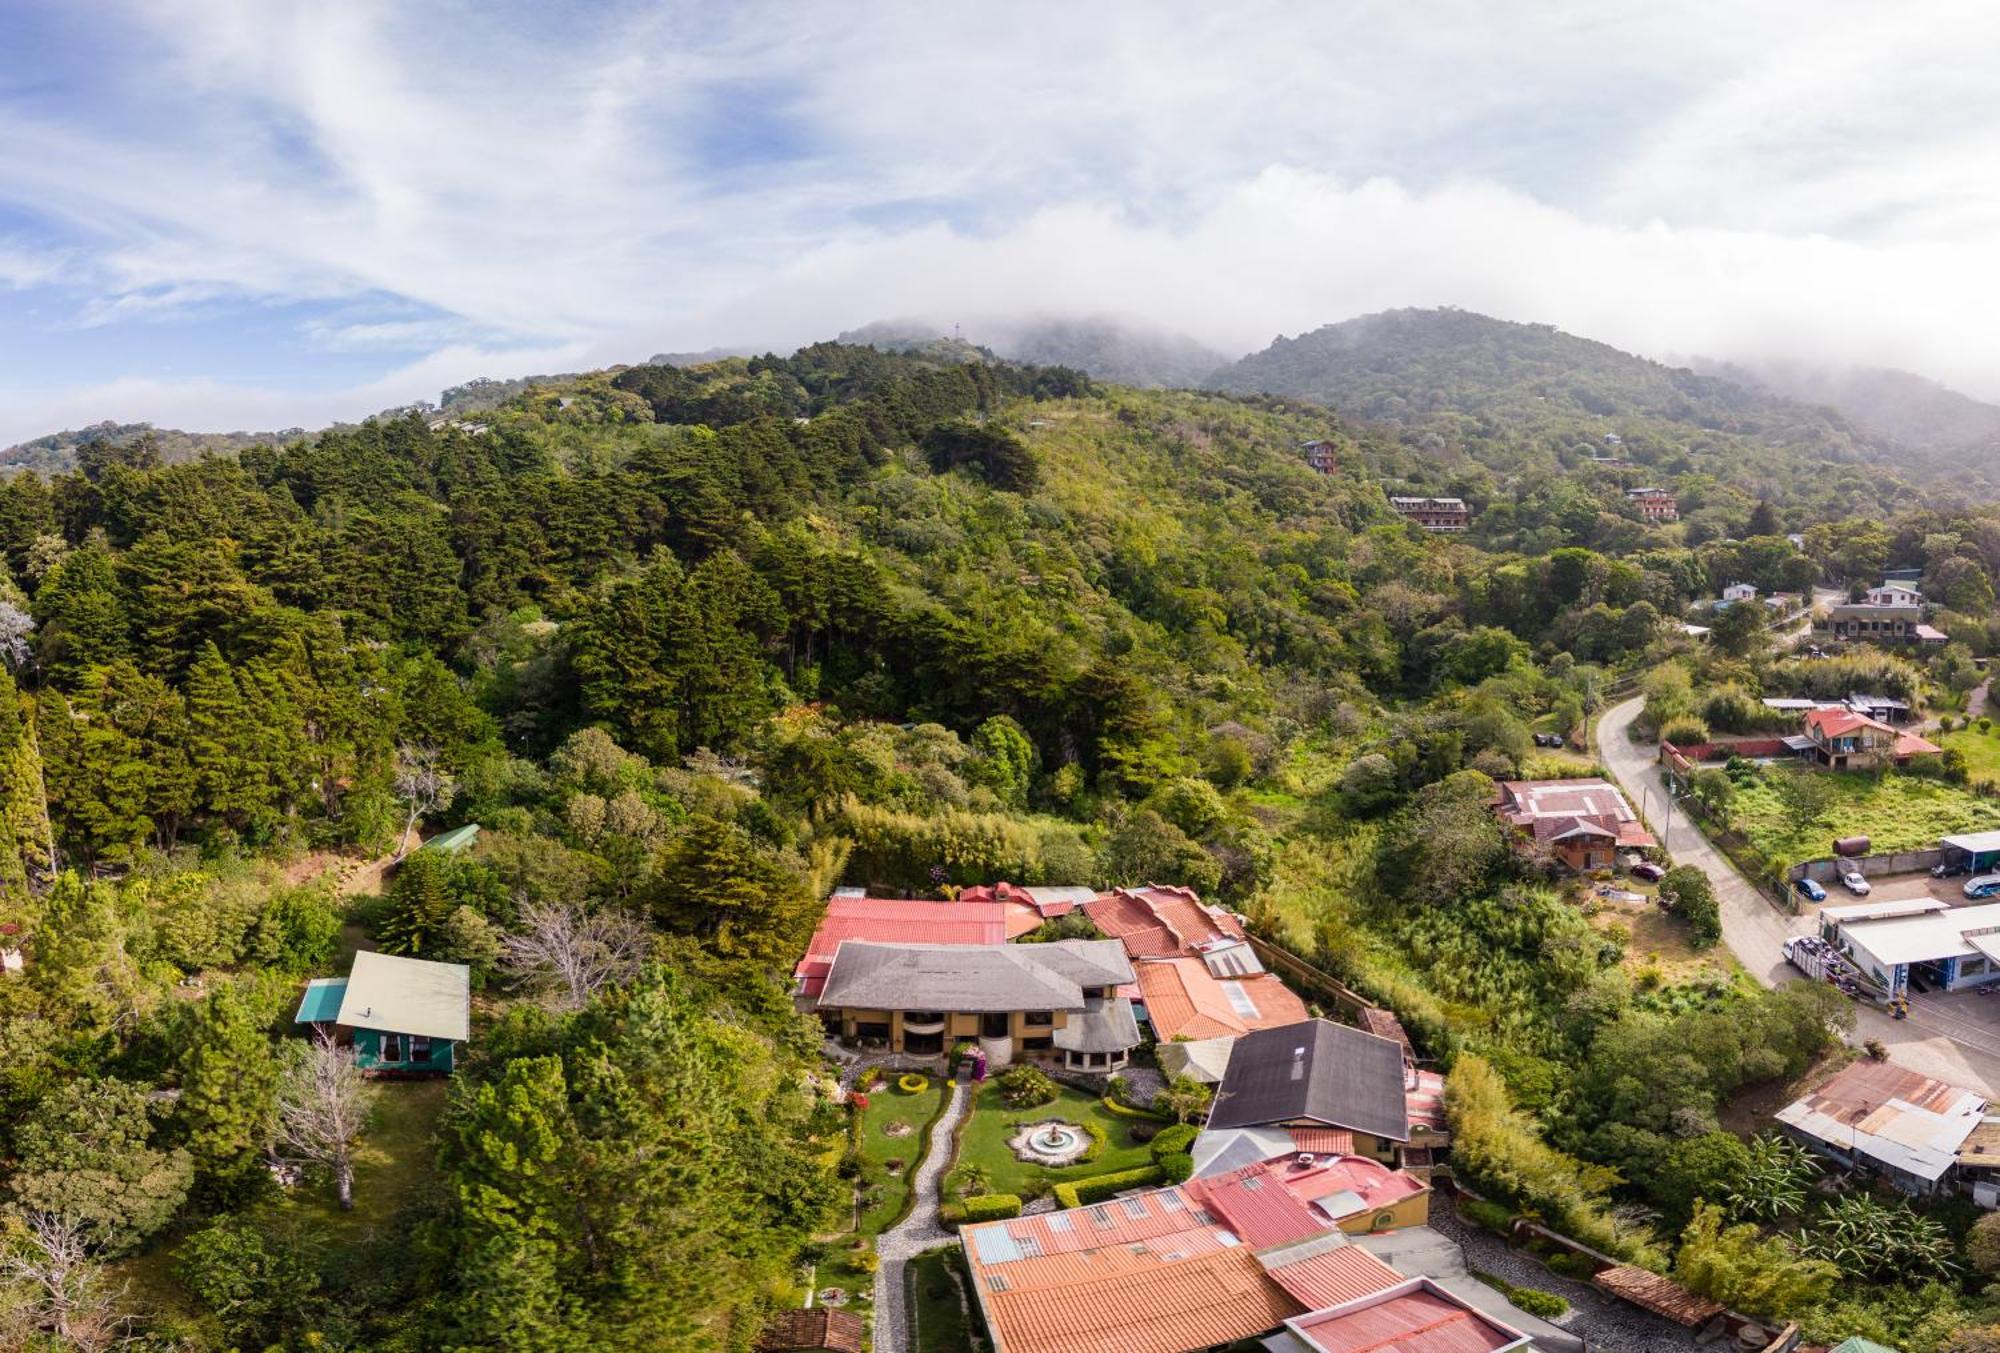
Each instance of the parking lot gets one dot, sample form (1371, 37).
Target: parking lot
(1897, 888)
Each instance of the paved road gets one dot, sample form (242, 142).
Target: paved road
(1952, 1038)
(917, 1232)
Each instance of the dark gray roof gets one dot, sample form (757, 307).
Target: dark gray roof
(1088, 963)
(969, 978)
(1103, 1026)
(1316, 1071)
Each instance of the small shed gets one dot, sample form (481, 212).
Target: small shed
(403, 1016)
(453, 841)
(1650, 1292)
(817, 1329)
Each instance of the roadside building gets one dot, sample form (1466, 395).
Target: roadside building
(1433, 514)
(1877, 623)
(1970, 853)
(1918, 941)
(1584, 823)
(1890, 1121)
(1847, 740)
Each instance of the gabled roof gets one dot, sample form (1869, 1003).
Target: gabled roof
(1102, 1026)
(1662, 1296)
(1415, 1316)
(1835, 723)
(1184, 999)
(818, 1327)
(408, 996)
(1892, 1115)
(1316, 1071)
(1551, 810)
(971, 978)
(1158, 922)
(896, 921)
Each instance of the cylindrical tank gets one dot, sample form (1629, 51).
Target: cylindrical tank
(1851, 845)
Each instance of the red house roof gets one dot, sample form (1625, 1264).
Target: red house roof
(1416, 1316)
(1159, 922)
(1183, 997)
(896, 921)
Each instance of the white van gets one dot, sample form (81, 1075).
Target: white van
(1983, 886)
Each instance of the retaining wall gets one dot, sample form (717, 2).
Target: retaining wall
(1871, 866)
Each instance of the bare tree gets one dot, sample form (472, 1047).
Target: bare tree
(15, 627)
(66, 1292)
(324, 1102)
(571, 954)
(423, 783)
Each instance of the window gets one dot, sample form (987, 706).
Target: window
(420, 1048)
(1040, 1019)
(392, 1047)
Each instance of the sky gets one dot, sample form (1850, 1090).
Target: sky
(223, 215)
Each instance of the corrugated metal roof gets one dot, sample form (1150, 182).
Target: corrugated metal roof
(408, 996)
(1416, 1316)
(1891, 1115)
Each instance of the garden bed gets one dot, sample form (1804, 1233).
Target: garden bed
(992, 1123)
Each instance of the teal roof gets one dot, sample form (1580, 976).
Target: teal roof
(457, 839)
(322, 1002)
(1857, 1344)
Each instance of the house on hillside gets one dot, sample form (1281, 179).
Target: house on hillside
(1736, 592)
(1846, 739)
(885, 920)
(403, 1016)
(1654, 504)
(1051, 1001)
(1584, 823)
(1880, 622)
(1894, 594)
(1433, 514)
(1321, 455)
(1888, 1120)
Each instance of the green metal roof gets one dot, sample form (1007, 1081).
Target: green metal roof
(322, 1002)
(1857, 1344)
(457, 839)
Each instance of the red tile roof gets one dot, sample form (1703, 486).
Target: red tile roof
(1649, 1291)
(1833, 723)
(1158, 922)
(1909, 744)
(1419, 1317)
(820, 1327)
(1183, 998)
(1323, 1141)
(1328, 1277)
(896, 921)
(1257, 1208)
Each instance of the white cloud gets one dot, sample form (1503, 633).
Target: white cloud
(1807, 180)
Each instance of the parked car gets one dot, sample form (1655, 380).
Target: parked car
(1852, 879)
(1650, 872)
(1946, 869)
(1811, 891)
(1984, 886)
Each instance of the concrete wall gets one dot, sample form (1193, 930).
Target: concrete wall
(1872, 866)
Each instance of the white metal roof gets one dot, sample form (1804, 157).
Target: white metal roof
(1977, 842)
(1924, 938)
(1922, 1140)
(408, 996)
(1875, 911)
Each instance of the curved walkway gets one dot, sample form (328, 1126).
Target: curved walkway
(1949, 1049)
(916, 1232)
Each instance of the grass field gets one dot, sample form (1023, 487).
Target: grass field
(1981, 750)
(985, 1142)
(889, 1107)
(939, 1305)
(1895, 812)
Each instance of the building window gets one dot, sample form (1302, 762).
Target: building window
(1037, 1044)
(392, 1047)
(420, 1048)
(1039, 1019)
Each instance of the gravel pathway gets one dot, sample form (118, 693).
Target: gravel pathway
(917, 1232)
(1601, 1321)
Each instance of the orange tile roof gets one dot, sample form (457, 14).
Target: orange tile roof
(1156, 922)
(1216, 1298)
(1327, 1277)
(1323, 1141)
(1183, 998)
(1257, 1207)
(1909, 744)
(817, 1328)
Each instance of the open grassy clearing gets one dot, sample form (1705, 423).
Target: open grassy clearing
(1895, 812)
(1981, 750)
(940, 1308)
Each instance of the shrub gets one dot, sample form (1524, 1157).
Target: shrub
(1479, 1212)
(1083, 1192)
(1174, 1140)
(1128, 1111)
(1098, 1141)
(1534, 1301)
(992, 1207)
(1025, 1087)
(1175, 1167)
(912, 1084)
(1684, 731)
(1141, 1130)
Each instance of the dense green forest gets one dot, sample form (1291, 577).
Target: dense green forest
(693, 646)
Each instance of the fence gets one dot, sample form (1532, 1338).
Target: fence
(1288, 964)
(1720, 750)
(1871, 866)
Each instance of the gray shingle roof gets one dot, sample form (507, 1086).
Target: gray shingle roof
(1103, 1026)
(1315, 1071)
(971, 978)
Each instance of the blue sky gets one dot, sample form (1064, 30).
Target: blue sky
(224, 214)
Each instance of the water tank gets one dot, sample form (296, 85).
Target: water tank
(1851, 845)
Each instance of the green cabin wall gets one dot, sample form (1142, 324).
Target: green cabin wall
(368, 1054)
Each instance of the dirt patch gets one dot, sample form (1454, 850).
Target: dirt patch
(1749, 1111)
(1659, 942)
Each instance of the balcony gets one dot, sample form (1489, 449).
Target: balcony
(923, 1022)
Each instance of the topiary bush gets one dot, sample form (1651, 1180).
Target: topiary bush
(1025, 1087)
(1176, 1167)
(1174, 1141)
(913, 1084)
(1084, 1192)
(992, 1207)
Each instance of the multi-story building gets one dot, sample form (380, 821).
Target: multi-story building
(1654, 504)
(1434, 514)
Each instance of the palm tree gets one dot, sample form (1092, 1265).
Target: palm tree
(970, 1180)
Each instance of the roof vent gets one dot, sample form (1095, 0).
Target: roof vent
(1307, 1158)
(1298, 1063)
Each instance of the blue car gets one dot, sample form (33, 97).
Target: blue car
(1811, 891)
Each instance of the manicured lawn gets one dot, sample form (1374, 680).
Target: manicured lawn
(993, 1122)
(940, 1306)
(1895, 812)
(889, 1107)
(1981, 750)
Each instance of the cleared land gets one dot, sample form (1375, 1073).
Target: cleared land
(1981, 750)
(1895, 812)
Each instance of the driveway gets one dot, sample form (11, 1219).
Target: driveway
(1957, 1041)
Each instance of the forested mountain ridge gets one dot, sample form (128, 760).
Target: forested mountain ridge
(65, 450)
(1123, 352)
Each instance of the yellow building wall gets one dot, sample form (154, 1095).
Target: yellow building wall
(1412, 1211)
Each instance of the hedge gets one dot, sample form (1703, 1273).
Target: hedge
(992, 1207)
(1127, 1111)
(912, 1084)
(1174, 1141)
(1534, 1301)
(1176, 1167)
(1095, 1189)
(1098, 1142)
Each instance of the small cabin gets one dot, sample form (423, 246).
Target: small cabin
(402, 1016)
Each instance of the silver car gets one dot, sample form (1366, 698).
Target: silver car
(1851, 878)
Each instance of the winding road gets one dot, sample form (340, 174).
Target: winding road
(1952, 1038)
